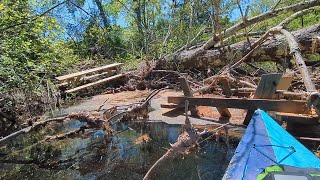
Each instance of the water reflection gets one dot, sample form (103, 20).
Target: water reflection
(125, 156)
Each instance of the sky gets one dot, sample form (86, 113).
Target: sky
(70, 21)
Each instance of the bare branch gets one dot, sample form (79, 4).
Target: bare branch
(262, 17)
(285, 22)
(295, 51)
(28, 129)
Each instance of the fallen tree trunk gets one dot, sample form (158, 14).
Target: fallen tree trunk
(267, 15)
(274, 49)
(295, 51)
(242, 25)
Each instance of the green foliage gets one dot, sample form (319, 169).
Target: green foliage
(262, 6)
(313, 57)
(30, 53)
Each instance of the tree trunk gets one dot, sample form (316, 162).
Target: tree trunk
(102, 14)
(295, 51)
(138, 19)
(274, 49)
(267, 15)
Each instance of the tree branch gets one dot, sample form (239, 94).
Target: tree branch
(28, 129)
(262, 17)
(285, 22)
(34, 17)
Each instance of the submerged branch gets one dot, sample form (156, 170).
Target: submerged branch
(28, 129)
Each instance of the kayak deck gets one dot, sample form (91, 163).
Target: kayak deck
(266, 143)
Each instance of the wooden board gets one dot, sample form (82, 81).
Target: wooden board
(86, 72)
(267, 86)
(297, 118)
(242, 103)
(95, 83)
(171, 105)
(284, 83)
(108, 73)
(224, 112)
(265, 90)
(226, 87)
(188, 93)
(185, 87)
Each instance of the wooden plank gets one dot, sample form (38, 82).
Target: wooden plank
(185, 87)
(297, 118)
(224, 112)
(188, 93)
(226, 87)
(171, 105)
(63, 84)
(109, 73)
(95, 83)
(293, 106)
(248, 117)
(89, 71)
(265, 90)
(267, 86)
(284, 83)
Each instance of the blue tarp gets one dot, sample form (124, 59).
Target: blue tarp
(266, 143)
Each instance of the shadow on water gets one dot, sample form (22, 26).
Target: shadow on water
(127, 155)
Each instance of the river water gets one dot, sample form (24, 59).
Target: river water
(126, 155)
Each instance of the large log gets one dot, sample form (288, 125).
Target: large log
(274, 49)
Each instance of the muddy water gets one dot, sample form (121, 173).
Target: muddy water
(93, 156)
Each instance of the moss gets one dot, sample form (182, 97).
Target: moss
(313, 57)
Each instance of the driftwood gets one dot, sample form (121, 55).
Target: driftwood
(139, 111)
(94, 119)
(217, 78)
(294, 47)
